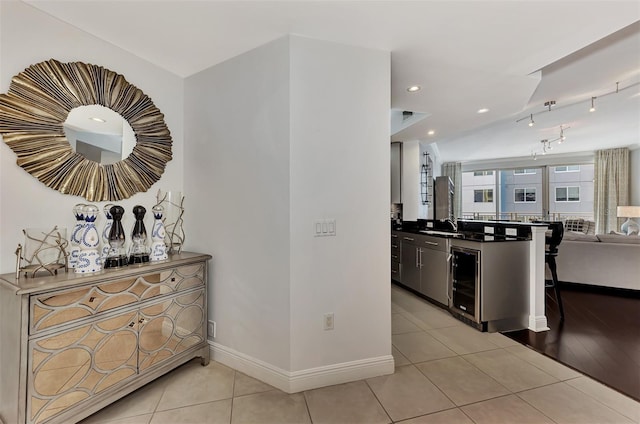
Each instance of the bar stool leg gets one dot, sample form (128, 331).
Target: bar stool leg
(554, 275)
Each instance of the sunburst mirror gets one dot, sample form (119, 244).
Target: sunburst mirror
(35, 123)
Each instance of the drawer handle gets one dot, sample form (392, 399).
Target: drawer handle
(92, 298)
(394, 271)
(394, 256)
(131, 324)
(395, 246)
(431, 243)
(141, 320)
(408, 238)
(173, 279)
(394, 235)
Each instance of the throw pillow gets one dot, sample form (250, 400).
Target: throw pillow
(589, 227)
(579, 236)
(574, 224)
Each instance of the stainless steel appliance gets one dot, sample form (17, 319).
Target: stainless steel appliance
(489, 283)
(465, 282)
(443, 199)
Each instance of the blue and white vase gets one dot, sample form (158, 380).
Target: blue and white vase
(76, 234)
(106, 230)
(158, 246)
(89, 259)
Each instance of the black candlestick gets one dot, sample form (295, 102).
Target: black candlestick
(139, 252)
(117, 256)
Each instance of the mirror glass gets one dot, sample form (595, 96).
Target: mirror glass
(99, 134)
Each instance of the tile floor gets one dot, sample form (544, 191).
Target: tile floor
(446, 372)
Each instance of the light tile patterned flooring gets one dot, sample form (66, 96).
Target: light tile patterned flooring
(446, 372)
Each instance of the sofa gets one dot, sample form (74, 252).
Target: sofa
(608, 260)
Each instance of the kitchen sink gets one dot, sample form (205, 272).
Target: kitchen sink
(441, 233)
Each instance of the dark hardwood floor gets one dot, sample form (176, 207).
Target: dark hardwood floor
(600, 336)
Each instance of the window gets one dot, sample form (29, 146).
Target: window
(482, 173)
(568, 168)
(567, 194)
(525, 195)
(523, 171)
(483, 196)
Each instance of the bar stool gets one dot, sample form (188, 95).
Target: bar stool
(552, 241)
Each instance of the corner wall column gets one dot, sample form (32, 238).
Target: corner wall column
(537, 317)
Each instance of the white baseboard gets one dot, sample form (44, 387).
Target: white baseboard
(297, 381)
(538, 323)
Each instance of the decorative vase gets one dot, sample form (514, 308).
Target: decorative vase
(173, 204)
(139, 252)
(117, 256)
(158, 246)
(106, 230)
(76, 234)
(89, 258)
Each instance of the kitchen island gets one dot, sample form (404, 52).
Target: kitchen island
(486, 273)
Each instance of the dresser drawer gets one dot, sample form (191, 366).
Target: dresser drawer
(49, 310)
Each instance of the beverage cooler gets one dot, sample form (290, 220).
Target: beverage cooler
(465, 282)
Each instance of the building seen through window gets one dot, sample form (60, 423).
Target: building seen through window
(523, 194)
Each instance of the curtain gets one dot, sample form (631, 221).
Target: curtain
(611, 187)
(453, 170)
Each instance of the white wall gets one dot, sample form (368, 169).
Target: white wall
(340, 99)
(411, 202)
(634, 178)
(274, 144)
(29, 36)
(237, 127)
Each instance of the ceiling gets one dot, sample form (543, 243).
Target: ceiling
(508, 56)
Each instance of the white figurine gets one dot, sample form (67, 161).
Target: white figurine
(106, 230)
(158, 246)
(76, 235)
(89, 258)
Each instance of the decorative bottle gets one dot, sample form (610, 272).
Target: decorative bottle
(106, 230)
(158, 246)
(89, 258)
(139, 252)
(76, 234)
(117, 256)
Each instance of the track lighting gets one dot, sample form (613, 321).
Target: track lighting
(550, 105)
(562, 136)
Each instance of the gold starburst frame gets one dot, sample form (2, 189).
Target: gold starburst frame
(33, 112)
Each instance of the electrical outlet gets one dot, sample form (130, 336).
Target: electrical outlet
(211, 329)
(328, 321)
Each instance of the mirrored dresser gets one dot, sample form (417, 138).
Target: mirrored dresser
(71, 344)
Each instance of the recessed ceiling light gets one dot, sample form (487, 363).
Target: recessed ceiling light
(431, 132)
(414, 88)
(483, 110)
(97, 119)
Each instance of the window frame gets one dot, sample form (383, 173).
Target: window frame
(485, 192)
(567, 199)
(576, 168)
(525, 171)
(525, 192)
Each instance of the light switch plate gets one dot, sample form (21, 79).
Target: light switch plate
(324, 227)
